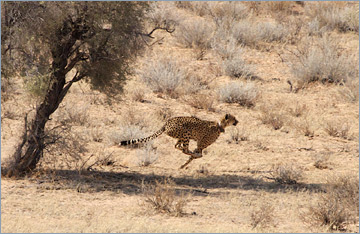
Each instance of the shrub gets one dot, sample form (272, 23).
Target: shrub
(327, 16)
(195, 33)
(337, 129)
(298, 110)
(338, 206)
(263, 216)
(126, 132)
(77, 114)
(147, 155)
(162, 198)
(285, 174)
(321, 161)
(202, 101)
(272, 118)
(350, 90)
(236, 66)
(238, 92)
(236, 136)
(163, 74)
(249, 33)
(226, 14)
(323, 61)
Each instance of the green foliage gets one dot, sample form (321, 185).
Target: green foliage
(98, 39)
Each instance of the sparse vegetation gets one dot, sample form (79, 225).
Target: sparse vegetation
(236, 136)
(323, 61)
(147, 155)
(164, 73)
(202, 101)
(337, 129)
(251, 179)
(328, 16)
(272, 118)
(195, 33)
(338, 206)
(286, 174)
(162, 198)
(263, 216)
(244, 94)
(126, 132)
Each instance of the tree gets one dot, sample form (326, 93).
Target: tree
(49, 39)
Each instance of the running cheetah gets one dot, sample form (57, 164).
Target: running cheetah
(190, 128)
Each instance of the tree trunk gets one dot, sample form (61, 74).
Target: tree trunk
(34, 137)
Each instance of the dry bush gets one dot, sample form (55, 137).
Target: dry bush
(162, 198)
(271, 117)
(338, 206)
(321, 161)
(298, 110)
(285, 174)
(279, 6)
(323, 60)
(200, 8)
(147, 155)
(127, 132)
(138, 94)
(263, 216)
(64, 149)
(350, 90)
(225, 14)
(250, 34)
(164, 114)
(237, 67)
(305, 128)
(237, 135)
(245, 94)
(327, 16)
(163, 73)
(338, 129)
(96, 134)
(74, 114)
(226, 47)
(162, 14)
(195, 33)
(202, 101)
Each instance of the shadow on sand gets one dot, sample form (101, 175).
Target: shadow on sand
(132, 182)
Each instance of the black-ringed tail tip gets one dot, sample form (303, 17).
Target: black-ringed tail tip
(190, 128)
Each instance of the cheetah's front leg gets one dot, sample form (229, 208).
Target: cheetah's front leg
(193, 156)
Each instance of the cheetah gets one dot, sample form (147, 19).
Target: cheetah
(190, 128)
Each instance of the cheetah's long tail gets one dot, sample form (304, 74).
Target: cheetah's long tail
(142, 140)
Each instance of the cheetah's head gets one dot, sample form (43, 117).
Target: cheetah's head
(229, 120)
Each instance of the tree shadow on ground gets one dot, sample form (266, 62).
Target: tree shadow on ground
(132, 183)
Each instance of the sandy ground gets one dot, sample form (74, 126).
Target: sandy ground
(223, 189)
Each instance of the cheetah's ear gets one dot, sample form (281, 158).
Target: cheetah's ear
(227, 116)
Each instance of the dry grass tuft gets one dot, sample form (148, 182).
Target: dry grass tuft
(127, 132)
(328, 16)
(322, 161)
(338, 206)
(263, 216)
(337, 129)
(240, 93)
(162, 198)
(298, 110)
(163, 73)
(202, 101)
(147, 155)
(285, 174)
(195, 33)
(236, 136)
(323, 61)
(271, 118)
